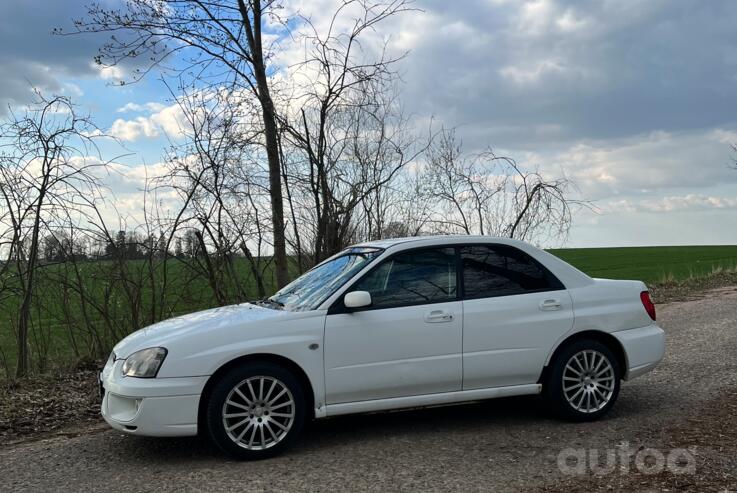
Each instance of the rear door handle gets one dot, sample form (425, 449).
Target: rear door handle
(550, 304)
(437, 316)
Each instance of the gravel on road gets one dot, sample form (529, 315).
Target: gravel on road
(501, 445)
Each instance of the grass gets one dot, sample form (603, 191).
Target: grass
(58, 324)
(656, 266)
(653, 265)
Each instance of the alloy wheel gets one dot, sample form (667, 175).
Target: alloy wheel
(258, 412)
(588, 381)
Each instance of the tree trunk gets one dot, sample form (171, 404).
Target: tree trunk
(21, 368)
(254, 271)
(24, 317)
(270, 135)
(275, 193)
(212, 277)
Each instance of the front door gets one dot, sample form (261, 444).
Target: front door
(408, 342)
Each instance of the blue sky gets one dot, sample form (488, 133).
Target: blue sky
(632, 100)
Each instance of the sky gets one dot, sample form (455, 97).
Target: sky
(633, 101)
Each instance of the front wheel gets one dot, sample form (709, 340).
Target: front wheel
(255, 411)
(583, 382)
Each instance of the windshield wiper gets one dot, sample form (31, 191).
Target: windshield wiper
(269, 302)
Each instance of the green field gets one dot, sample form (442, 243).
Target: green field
(60, 336)
(653, 265)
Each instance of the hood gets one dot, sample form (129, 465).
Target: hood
(161, 333)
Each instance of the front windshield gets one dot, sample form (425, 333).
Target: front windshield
(314, 286)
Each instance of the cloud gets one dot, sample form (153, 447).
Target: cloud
(570, 22)
(171, 120)
(641, 164)
(132, 130)
(114, 73)
(138, 108)
(133, 178)
(530, 74)
(678, 203)
(32, 57)
(163, 120)
(597, 70)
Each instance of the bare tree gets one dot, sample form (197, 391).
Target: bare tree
(46, 172)
(344, 124)
(222, 43)
(397, 209)
(488, 194)
(222, 190)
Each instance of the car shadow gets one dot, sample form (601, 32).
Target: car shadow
(357, 428)
(433, 419)
(508, 415)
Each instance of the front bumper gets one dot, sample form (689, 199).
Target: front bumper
(150, 406)
(644, 348)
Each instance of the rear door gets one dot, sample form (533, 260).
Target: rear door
(514, 310)
(409, 342)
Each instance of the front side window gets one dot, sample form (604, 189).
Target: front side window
(411, 278)
(314, 286)
(501, 270)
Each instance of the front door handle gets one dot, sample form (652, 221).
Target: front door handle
(550, 304)
(437, 316)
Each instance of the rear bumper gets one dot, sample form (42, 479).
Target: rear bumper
(151, 407)
(644, 348)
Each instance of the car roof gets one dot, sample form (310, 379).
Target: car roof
(437, 240)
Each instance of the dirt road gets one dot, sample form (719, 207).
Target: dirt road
(500, 445)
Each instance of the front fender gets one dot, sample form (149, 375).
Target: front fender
(301, 342)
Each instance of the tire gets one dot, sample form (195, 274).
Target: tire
(583, 381)
(256, 411)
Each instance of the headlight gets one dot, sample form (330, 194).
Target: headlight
(144, 363)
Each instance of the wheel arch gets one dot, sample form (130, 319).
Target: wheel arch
(287, 363)
(605, 338)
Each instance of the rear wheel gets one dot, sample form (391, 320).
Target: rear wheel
(583, 381)
(256, 411)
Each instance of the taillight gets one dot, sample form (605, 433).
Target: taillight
(648, 304)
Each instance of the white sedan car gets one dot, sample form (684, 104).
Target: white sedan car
(385, 325)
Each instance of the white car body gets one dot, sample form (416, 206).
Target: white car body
(383, 359)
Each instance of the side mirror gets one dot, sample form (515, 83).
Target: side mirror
(357, 299)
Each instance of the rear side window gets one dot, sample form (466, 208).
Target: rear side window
(411, 278)
(501, 270)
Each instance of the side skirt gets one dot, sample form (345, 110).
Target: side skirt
(427, 400)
